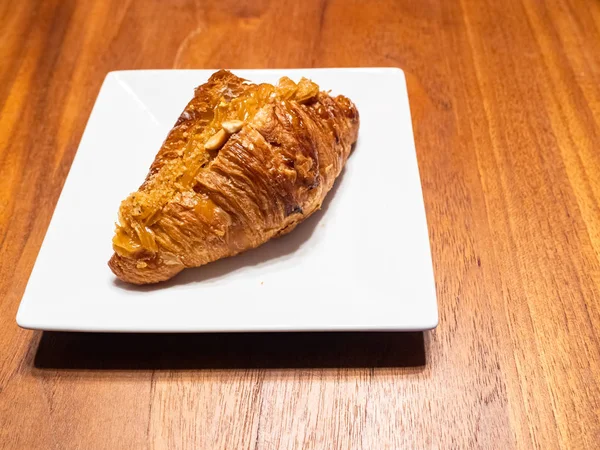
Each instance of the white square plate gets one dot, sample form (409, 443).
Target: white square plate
(361, 263)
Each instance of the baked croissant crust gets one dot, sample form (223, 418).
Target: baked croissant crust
(244, 163)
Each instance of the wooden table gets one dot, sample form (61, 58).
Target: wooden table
(505, 101)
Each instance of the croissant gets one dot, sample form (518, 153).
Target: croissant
(243, 164)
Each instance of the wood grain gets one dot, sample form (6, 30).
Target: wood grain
(505, 100)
